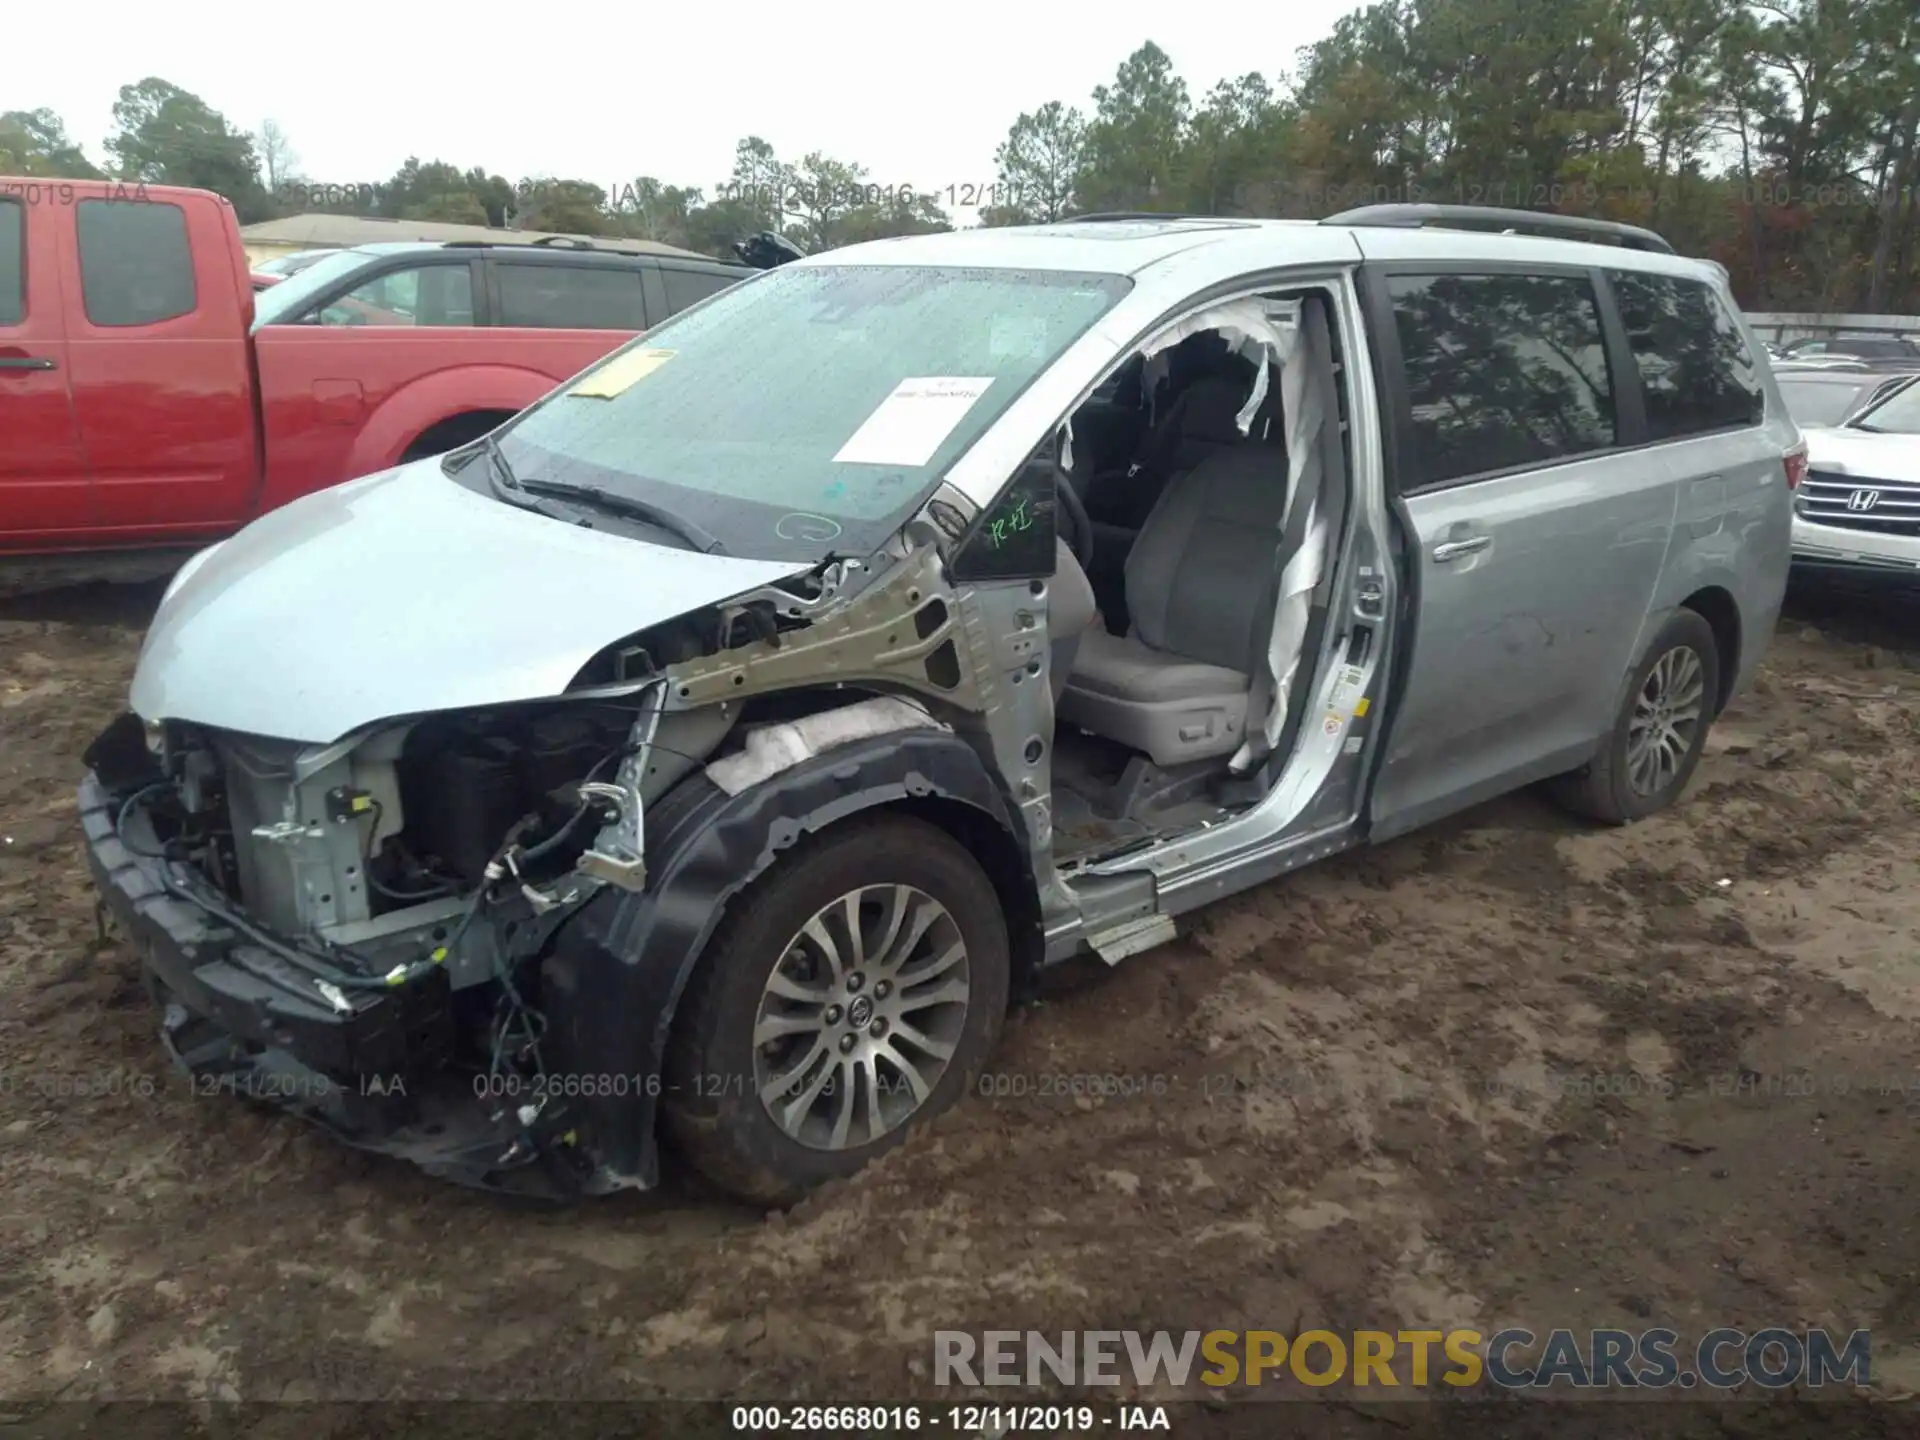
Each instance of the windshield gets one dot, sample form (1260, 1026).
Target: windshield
(285, 301)
(807, 411)
(1810, 402)
(1895, 414)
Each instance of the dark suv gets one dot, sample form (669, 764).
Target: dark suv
(537, 285)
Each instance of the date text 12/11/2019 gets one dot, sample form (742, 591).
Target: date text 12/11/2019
(957, 1420)
(803, 195)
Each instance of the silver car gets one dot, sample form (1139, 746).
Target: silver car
(703, 761)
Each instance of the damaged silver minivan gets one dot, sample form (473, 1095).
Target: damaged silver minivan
(702, 762)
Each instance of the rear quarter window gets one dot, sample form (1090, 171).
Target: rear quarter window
(13, 268)
(686, 288)
(136, 267)
(570, 297)
(1695, 368)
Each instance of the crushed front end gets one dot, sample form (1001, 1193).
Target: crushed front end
(352, 931)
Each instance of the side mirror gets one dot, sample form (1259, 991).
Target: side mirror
(767, 250)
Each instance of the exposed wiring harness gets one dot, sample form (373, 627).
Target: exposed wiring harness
(178, 881)
(438, 889)
(517, 1027)
(126, 809)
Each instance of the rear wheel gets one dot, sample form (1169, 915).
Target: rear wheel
(1658, 737)
(453, 432)
(854, 991)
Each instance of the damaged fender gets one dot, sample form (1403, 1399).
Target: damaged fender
(616, 972)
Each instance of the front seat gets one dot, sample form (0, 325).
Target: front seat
(1202, 421)
(1200, 587)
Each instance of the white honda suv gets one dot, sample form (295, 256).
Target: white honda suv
(1858, 511)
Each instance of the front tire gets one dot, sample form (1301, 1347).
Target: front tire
(852, 992)
(1657, 739)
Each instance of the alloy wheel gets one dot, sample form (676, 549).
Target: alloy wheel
(1666, 720)
(860, 1017)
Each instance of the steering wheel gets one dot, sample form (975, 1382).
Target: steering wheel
(1079, 528)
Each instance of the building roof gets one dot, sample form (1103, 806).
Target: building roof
(349, 230)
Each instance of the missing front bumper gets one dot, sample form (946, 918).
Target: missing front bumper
(378, 1075)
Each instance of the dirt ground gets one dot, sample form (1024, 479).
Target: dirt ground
(1368, 1111)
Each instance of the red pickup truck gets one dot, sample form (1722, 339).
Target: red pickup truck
(152, 401)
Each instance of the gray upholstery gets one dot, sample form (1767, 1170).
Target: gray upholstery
(1200, 574)
(1071, 613)
(1202, 422)
(1200, 588)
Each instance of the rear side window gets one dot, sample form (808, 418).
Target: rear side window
(1694, 363)
(135, 265)
(570, 297)
(1502, 371)
(13, 269)
(436, 295)
(690, 287)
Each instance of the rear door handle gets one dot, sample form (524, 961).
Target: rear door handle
(1454, 549)
(25, 362)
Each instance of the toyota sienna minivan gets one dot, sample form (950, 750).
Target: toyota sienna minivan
(699, 764)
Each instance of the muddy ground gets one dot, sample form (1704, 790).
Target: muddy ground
(1367, 1112)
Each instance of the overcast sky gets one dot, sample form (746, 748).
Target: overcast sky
(920, 95)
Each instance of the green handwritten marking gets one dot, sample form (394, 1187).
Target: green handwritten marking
(1003, 526)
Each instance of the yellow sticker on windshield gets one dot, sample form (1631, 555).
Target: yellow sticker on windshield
(621, 373)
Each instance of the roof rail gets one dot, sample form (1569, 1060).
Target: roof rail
(1473, 217)
(551, 241)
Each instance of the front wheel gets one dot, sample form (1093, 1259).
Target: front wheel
(854, 991)
(1657, 739)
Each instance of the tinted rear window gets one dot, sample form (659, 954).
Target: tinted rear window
(1502, 371)
(1694, 363)
(570, 297)
(13, 270)
(135, 265)
(690, 287)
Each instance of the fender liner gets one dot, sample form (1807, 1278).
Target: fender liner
(614, 977)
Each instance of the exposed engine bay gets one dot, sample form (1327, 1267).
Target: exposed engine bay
(453, 900)
(424, 864)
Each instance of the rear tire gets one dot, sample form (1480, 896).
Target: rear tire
(452, 433)
(1661, 730)
(853, 1040)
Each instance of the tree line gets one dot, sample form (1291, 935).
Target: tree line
(1781, 138)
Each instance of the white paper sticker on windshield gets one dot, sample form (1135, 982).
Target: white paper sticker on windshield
(908, 426)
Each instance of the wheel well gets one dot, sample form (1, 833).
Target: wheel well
(1717, 608)
(1000, 856)
(454, 431)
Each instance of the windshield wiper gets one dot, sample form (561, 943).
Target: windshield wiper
(500, 476)
(613, 504)
(505, 485)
